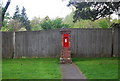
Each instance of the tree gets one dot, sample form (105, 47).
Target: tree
(4, 11)
(116, 23)
(47, 18)
(102, 23)
(35, 24)
(17, 15)
(84, 24)
(0, 16)
(52, 24)
(14, 25)
(5, 23)
(94, 10)
(69, 19)
(24, 20)
(18, 21)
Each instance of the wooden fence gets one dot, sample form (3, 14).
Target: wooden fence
(7, 45)
(92, 42)
(116, 42)
(46, 43)
(0, 45)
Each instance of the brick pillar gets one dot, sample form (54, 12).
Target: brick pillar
(65, 46)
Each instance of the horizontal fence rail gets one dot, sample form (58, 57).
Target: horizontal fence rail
(85, 42)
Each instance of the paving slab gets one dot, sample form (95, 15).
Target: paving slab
(71, 71)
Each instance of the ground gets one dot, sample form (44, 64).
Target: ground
(48, 68)
(43, 68)
(98, 68)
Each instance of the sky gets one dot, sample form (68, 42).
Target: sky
(41, 8)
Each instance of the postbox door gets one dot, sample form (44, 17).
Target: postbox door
(66, 40)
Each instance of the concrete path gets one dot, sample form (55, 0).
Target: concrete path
(71, 71)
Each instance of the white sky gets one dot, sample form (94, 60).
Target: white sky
(40, 8)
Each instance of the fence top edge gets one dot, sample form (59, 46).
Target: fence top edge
(93, 28)
(58, 29)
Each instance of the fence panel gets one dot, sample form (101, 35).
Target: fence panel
(74, 42)
(94, 43)
(7, 45)
(45, 43)
(115, 42)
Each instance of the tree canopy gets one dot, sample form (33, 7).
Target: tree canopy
(3, 11)
(52, 24)
(17, 13)
(93, 10)
(19, 21)
(24, 20)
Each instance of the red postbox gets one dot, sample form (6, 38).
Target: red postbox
(66, 40)
(65, 46)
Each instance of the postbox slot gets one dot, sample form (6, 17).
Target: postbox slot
(65, 41)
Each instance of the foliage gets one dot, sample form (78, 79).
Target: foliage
(22, 29)
(35, 24)
(52, 24)
(3, 12)
(84, 24)
(69, 19)
(5, 23)
(24, 20)
(17, 15)
(102, 23)
(14, 25)
(21, 18)
(99, 23)
(116, 23)
(1, 9)
(18, 22)
(93, 10)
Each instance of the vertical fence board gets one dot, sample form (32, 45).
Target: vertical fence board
(74, 42)
(115, 42)
(118, 42)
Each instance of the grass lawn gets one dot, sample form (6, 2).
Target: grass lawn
(38, 68)
(98, 68)
(48, 68)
